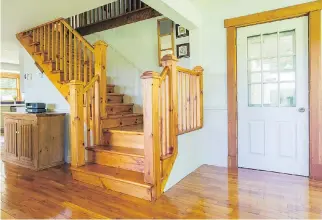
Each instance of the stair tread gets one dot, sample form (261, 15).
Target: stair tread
(119, 104)
(114, 173)
(131, 128)
(115, 94)
(117, 149)
(124, 115)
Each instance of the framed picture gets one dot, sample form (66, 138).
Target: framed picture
(183, 50)
(181, 31)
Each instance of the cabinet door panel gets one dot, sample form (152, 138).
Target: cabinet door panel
(26, 141)
(10, 132)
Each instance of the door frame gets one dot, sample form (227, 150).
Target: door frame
(313, 11)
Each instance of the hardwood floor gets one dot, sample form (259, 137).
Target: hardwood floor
(209, 192)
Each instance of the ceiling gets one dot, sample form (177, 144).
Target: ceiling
(19, 15)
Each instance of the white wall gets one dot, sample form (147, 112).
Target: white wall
(40, 89)
(213, 59)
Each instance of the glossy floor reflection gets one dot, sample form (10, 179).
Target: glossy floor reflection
(209, 192)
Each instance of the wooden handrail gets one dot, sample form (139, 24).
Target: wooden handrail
(81, 38)
(188, 71)
(164, 73)
(91, 83)
(41, 25)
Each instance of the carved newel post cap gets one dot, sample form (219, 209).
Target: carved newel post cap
(149, 74)
(100, 43)
(169, 57)
(198, 69)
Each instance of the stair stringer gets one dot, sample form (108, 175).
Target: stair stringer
(167, 165)
(45, 68)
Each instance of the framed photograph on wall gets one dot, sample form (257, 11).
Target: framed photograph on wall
(183, 50)
(181, 31)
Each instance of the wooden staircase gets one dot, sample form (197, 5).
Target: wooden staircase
(122, 153)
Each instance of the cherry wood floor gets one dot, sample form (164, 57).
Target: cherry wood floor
(209, 192)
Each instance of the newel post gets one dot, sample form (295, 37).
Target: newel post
(199, 70)
(171, 62)
(100, 48)
(76, 89)
(152, 148)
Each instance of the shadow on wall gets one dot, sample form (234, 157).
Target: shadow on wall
(67, 156)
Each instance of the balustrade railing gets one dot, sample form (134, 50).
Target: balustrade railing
(105, 12)
(173, 105)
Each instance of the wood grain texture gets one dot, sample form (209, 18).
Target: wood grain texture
(152, 148)
(127, 139)
(315, 86)
(121, 120)
(232, 96)
(140, 15)
(274, 15)
(110, 178)
(77, 123)
(119, 108)
(34, 141)
(207, 193)
(119, 157)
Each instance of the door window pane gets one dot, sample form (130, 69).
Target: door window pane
(270, 94)
(270, 76)
(287, 43)
(287, 76)
(255, 95)
(255, 77)
(270, 64)
(254, 47)
(287, 63)
(254, 66)
(269, 45)
(272, 69)
(287, 95)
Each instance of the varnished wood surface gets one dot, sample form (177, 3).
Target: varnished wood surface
(117, 173)
(118, 150)
(209, 192)
(131, 128)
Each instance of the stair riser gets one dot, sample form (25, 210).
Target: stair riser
(110, 89)
(112, 110)
(128, 162)
(121, 121)
(113, 184)
(124, 139)
(114, 98)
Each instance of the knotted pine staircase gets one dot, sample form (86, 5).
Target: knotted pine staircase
(110, 146)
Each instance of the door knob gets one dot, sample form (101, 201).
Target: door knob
(301, 109)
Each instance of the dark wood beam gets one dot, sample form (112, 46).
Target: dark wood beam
(128, 18)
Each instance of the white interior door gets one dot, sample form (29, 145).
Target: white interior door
(273, 114)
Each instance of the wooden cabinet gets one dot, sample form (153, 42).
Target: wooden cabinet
(35, 141)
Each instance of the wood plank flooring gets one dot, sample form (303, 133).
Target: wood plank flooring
(208, 192)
